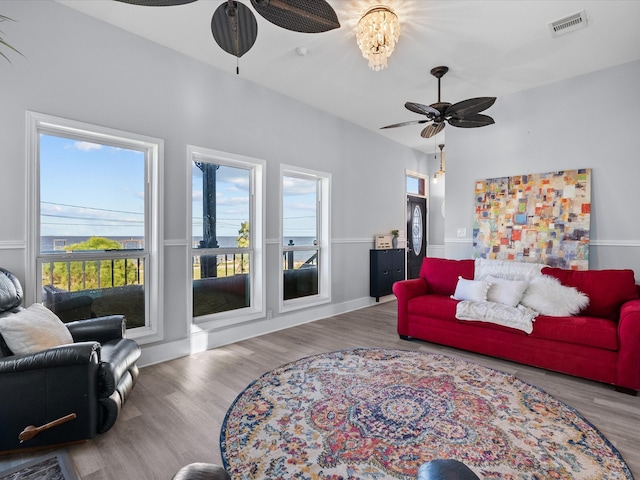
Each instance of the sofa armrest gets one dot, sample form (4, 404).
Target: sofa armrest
(404, 291)
(629, 341)
(100, 329)
(82, 353)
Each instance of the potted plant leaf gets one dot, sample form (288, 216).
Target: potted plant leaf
(3, 43)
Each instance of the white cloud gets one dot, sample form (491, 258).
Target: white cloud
(87, 146)
(298, 186)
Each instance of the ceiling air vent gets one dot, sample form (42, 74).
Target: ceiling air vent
(568, 24)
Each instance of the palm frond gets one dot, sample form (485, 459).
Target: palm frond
(4, 18)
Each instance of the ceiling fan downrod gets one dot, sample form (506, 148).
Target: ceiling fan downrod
(439, 72)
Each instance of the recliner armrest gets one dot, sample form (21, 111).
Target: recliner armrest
(81, 353)
(118, 357)
(100, 329)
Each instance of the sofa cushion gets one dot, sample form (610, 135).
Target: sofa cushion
(441, 274)
(607, 289)
(580, 330)
(433, 306)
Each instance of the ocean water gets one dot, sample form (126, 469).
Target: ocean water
(52, 243)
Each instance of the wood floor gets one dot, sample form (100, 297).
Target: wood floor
(173, 416)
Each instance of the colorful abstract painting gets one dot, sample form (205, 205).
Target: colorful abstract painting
(538, 218)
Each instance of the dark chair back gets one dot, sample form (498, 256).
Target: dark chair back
(10, 291)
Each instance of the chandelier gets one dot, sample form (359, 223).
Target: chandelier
(440, 173)
(378, 32)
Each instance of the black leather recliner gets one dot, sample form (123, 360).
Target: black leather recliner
(67, 393)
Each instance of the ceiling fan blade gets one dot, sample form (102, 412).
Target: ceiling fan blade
(472, 121)
(469, 107)
(431, 130)
(413, 122)
(234, 28)
(422, 109)
(157, 3)
(305, 16)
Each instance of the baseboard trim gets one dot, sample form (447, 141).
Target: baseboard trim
(202, 340)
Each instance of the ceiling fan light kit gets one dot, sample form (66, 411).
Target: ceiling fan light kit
(377, 34)
(464, 114)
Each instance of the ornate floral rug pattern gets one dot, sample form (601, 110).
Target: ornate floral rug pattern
(381, 413)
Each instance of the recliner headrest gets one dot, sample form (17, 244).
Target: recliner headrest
(10, 290)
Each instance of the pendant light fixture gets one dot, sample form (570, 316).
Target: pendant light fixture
(440, 173)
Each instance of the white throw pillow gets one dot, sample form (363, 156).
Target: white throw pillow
(548, 296)
(474, 290)
(33, 329)
(507, 292)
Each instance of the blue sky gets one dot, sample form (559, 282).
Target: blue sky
(299, 205)
(91, 189)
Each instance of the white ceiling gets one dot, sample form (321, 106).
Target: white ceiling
(492, 47)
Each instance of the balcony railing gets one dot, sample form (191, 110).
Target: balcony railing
(300, 271)
(102, 275)
(77, 289)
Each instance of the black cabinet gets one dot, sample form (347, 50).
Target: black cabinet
(387, 267)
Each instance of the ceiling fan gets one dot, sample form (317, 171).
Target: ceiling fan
(464, 114)
(234, 25)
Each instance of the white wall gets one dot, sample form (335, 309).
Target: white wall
(590, 121)
(82, 69)
(436, 199)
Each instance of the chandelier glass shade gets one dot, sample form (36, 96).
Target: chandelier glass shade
(377, 35)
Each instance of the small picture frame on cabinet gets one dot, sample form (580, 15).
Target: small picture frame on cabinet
(383, 242)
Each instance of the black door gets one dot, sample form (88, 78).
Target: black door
(416, 234)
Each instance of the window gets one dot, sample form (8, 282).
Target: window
(305, 278)
(415, 185)
(93, 222)
(226, 236)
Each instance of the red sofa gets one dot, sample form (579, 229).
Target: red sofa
(600, 343)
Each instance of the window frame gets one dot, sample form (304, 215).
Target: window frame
(323, 225)
(153, 148)
(257, 240)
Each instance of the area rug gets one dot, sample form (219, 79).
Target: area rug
(54, 466)
(381, 413)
